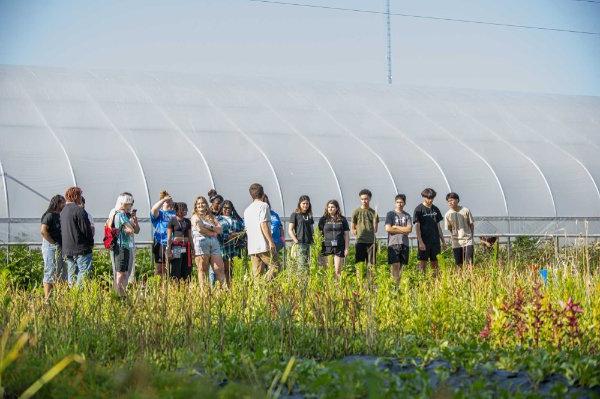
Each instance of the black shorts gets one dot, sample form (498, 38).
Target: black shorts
(398, 254)
(362, 251)
(337, 251)
(159, 251)
(121, 259)
(432, 250)
(463, 254)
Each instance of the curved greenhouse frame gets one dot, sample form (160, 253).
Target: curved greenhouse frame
(523, 163)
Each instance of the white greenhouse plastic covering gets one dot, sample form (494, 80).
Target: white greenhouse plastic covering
(523, 163)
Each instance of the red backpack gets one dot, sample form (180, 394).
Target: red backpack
(110, 233)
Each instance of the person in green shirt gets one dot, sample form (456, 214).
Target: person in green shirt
(364, 227)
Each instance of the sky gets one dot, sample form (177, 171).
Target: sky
(243, 38)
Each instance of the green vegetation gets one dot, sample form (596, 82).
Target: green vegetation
(267, 339)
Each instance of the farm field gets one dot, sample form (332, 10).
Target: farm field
(499, 330)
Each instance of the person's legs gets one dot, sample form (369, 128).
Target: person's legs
(271, 262)
(219, 268)
(257, 265)
(227, 269)
(131, 271)
(159, 259)
(84, 266)
(361, 252)
(203, 263)
(458, 255)
(372, 254)
(72, 270)
(61, 267)
(338, 264)
(468, 255)
(422, 256)
(175, 267)
(50, 261)
(304, 256)
(186, 268)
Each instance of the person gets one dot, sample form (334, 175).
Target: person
(216, 202)
(179, 239)
(205, 229)
(54, 268)
(336, 236)
(76, 237)
(123, 218)
(231, 237)
(301, 229)
(426, 219)
(261, 247)
(364, 227)
(398, 225)
(90, 217)
(459, 221)
(135, 223)
(160, 216)
(277, 230)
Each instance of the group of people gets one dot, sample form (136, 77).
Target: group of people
(215, 234)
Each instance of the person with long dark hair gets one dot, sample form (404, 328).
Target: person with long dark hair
(301, 229)
(179, 243)
(54, 268)
(231, 236)
(336, 236)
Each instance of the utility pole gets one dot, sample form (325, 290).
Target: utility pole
(389, 42)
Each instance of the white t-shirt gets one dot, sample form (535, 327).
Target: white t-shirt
(459, 223)
(254, 215)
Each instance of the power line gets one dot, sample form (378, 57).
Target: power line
(468, 21)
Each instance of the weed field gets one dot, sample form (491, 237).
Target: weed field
(498, 330)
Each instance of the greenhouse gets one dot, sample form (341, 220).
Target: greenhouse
(523, 163)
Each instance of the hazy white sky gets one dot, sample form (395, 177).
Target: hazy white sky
(243, 38)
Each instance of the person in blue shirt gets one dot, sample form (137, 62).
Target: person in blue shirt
(160, 215)
(277, 230)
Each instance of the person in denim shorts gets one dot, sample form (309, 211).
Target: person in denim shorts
(51, 242)
(205, 229)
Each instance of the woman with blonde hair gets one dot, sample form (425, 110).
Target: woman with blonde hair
(122, 255)
(205, 229)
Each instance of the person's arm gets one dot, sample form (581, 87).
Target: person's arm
(156, 207)
(218, 229)
(346, 242)
(419, 238)
(442, 239)
(353, 225)
(84, 225)
(292, 228)
(169, 241)
(375, 223)
(265, 227)
(45, 232)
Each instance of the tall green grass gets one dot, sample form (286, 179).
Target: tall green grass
(249, 332)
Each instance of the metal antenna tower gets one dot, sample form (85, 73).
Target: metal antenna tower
(389, 41)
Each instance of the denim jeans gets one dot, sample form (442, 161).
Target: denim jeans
(78, 266)
(54, 267)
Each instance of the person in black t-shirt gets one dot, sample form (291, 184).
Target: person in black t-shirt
(77, 237)
(51, 244)
(301, 229)
(336, 236)
(179, 239)
(429, 232)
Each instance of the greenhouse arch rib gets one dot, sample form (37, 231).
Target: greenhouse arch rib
(52, 132)
(125, 141)
(251, 141)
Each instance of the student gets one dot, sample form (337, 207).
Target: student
(231, 236)
(179, 247)
(398, 225)
(277, 230)
(429, 233)
(261, 246)
(364, 227)
(160, 215)
(132, 215)
(336, 236)
(205, 229)
(459, 221)
(76, 237)
(216, 202)
(122, 252)
(51, 244)
(301, 229)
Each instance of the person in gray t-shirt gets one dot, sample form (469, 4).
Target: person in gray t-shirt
(398, 225)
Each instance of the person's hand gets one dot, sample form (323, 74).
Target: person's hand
(295, 241)
(345, 252)
(422, 246)
(272, 247)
